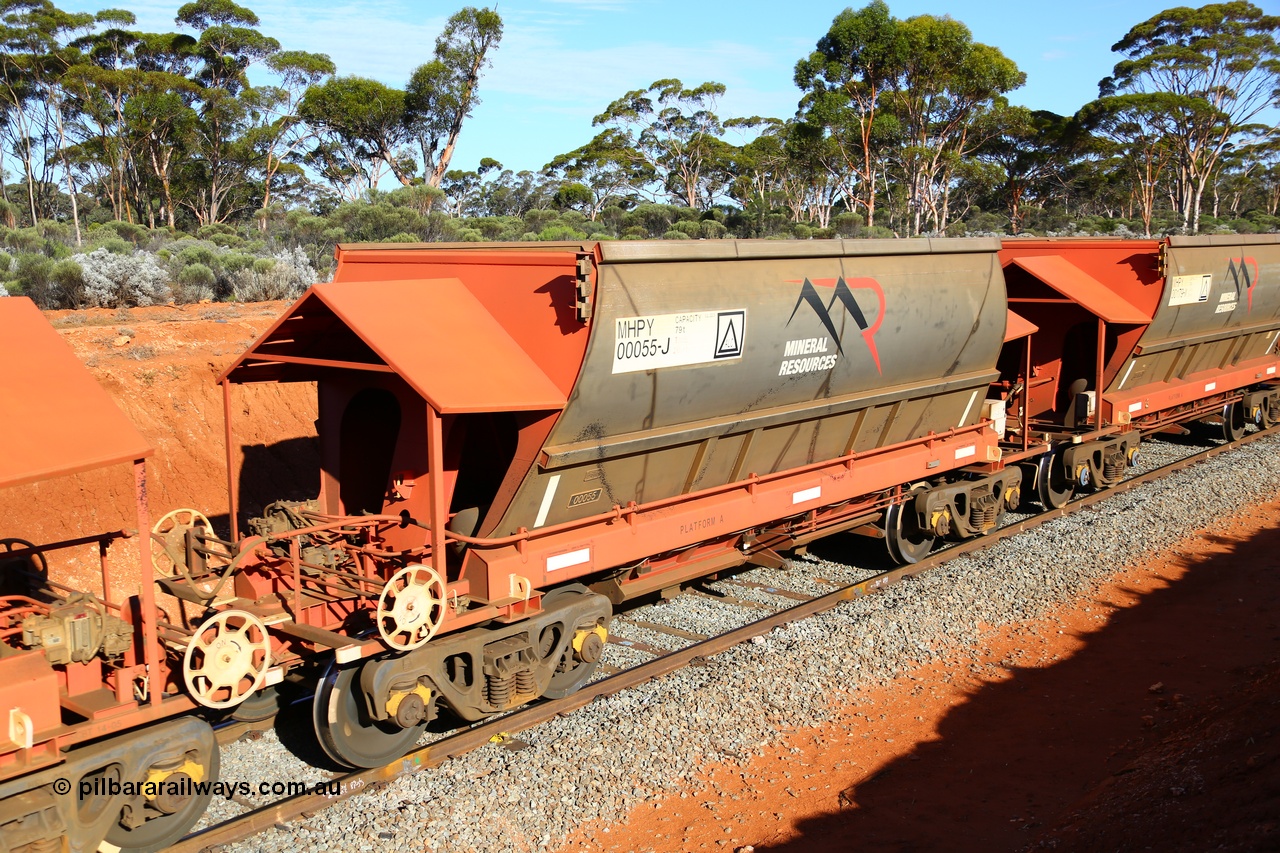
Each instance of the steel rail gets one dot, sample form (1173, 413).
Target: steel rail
(434, 754)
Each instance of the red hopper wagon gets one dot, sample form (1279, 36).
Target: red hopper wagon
(516, 437)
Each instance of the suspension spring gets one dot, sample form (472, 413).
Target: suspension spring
(526, 685)
(982, 514)
(1113, 467)
(499, 689)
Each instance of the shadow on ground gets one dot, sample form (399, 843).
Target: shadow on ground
(1068, 757)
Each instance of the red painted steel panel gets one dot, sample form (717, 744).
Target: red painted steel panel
(1082, 288)
(529, 289)
(54, 417)
(435, 334)
(1018, 327)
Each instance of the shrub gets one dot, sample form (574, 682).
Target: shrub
(135, 234)
(67, 279)
(560, 232)
(196, 252)
(23, 239)
(53, 230)
(235, 261)
(676, 235)
(193, 284)
(119, 281)
(104, 239)
(220, 233)
(656, 218)
(33, 279)
(284, 276)
(713, 230)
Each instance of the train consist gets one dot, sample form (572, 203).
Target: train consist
(516, 438)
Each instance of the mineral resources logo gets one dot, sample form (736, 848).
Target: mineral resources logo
(815, 350)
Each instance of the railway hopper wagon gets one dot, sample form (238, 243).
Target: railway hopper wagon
(514, 438)
(1133, 337)
(97, 744)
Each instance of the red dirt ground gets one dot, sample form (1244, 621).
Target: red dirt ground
(1144, 717)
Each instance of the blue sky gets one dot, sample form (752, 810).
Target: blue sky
(562, 61)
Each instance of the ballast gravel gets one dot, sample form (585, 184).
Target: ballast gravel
(603, 760)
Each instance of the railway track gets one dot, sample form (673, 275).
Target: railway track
(695, 648)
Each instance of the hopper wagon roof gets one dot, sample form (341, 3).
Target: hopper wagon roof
(433, 333)
(55, 418)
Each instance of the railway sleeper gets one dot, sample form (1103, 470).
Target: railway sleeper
(484, 671)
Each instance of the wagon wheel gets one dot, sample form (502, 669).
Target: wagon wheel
(1053, 485)
(574, 668)
(1233, 422)
(906, 541)
(344, 728)
(1269, 413)
(171, 816)
(411, 607)
(33, 563)
(227, 659)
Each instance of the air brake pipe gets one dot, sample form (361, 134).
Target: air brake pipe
(618, 512)
(1026, 397)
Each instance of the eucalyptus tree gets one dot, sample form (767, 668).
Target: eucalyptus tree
(159, 116)
(946, 83)
(282, 135)
(1136, 127)
(133, 93)
(1031, 150)
(675, 132)
(442, 93)
(1203, 75)
(220, 161)
(360, 134)
(906, 94)
(786, 165)
(1267, 182)
(461, 188)
(35, 53)
(844, 81)
(608, 167)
